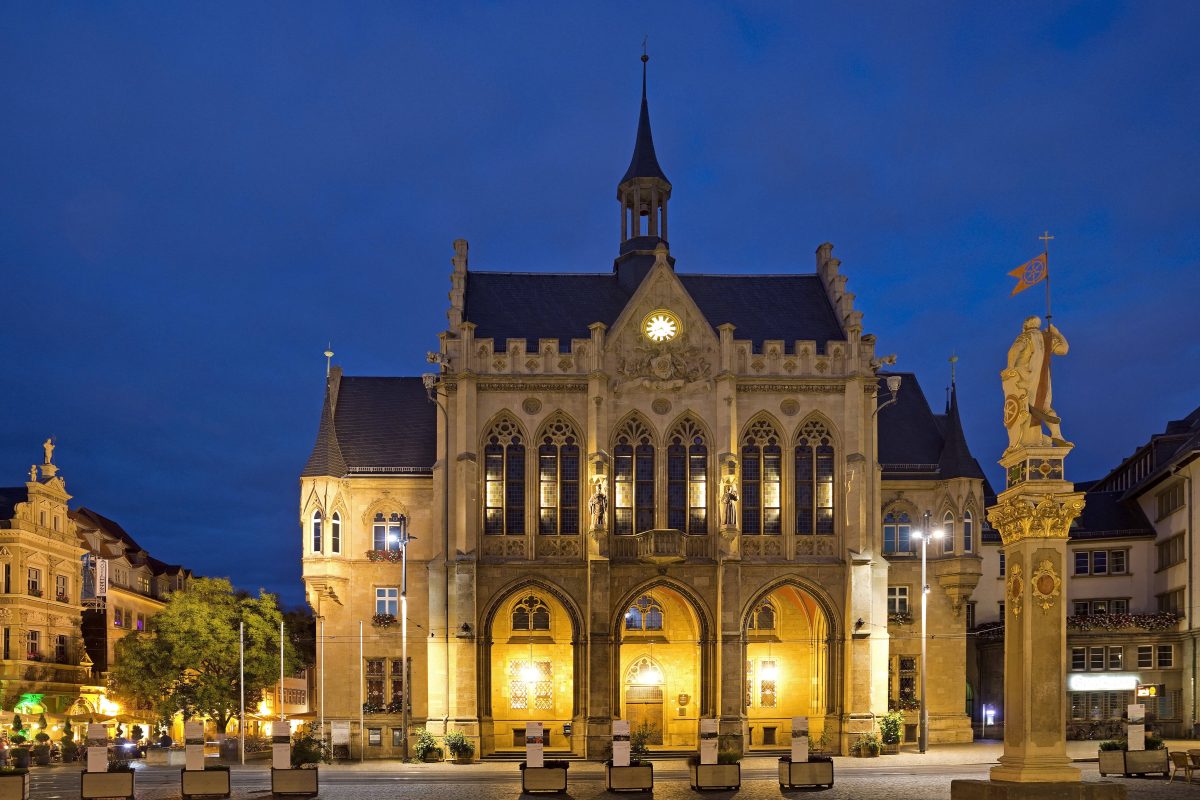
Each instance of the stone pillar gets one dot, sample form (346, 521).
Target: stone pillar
(1034, 516)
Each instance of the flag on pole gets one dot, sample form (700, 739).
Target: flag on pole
(1030, 273)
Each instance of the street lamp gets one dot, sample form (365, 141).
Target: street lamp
(924, 535)
(403, 541)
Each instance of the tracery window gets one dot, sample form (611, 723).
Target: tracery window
(762, 468)
(968, 533)
(948, 533)
(897, 533)
(687, 478)
(335, 533)
(504, 479)
(763, 617)
(520, 685)
(530, 614)
(633, 478)
(316, 532)
(814, 480)
(558, 479)
(387, 532)
(644, 615)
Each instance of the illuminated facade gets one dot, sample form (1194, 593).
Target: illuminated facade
(642, 493)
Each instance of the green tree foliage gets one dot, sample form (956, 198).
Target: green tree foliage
(187, 658)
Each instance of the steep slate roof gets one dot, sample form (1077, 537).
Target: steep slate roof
(377, 425)
(134, 552)
(644, 163)
(9, 497)
(915, 443)
(1105, 515)
(532, 306)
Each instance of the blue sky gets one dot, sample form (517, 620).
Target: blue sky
(195, 198)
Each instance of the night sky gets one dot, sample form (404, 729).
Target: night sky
(194, 199)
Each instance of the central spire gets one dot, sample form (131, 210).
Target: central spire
(643, 192)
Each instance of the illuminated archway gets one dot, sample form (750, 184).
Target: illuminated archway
(788, 665)
(661, 665)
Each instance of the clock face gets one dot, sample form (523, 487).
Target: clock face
(660, 326)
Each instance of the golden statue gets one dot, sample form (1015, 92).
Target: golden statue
(48, 449)
(1026, 383)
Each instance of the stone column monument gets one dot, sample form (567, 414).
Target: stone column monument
(1033, 515)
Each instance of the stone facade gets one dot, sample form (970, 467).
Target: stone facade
(649, 495)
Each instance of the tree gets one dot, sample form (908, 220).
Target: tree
(187, 658)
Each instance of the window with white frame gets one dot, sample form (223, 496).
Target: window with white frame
(1145, 656)
(948, 533)
(387, 533)
(971, 615)
(1002, 564)
(335, 533)
(968, 539)
(33, 644)
(387, 600)
(897, 533)
(897, 600)
(316, 532)
(35, 582)
(1170, 499)
(1116, 657)
(62, 592)
(1165, 656)
(1078, 659)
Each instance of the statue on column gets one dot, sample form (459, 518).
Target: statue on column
(48, 448)
(598, 505)
(729, 501)
(1026, 383)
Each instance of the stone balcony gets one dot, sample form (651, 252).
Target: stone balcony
(662, 546)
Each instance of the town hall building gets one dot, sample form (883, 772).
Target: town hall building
(641, 493)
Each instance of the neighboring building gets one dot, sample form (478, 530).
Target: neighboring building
(1132, 621)
(754, 560)
(40, 606)
(137, 589)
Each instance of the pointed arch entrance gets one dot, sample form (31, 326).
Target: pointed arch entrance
(531, 665)
(789, 664)
(662, 665)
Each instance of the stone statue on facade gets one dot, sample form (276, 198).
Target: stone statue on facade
(1026, 384)
(729, 501)
(598, 505)
(48, 448)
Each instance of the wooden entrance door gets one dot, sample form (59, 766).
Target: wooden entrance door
(644, 704)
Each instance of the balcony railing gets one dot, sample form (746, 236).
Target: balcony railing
(662, 546)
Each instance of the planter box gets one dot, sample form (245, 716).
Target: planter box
(106, 784)
(805, 773)
(716, 776)
(891, 749)
(208, 782)
(629, 779)
(14, 787)
(544, 779)
(294, 781)
(1133, 762)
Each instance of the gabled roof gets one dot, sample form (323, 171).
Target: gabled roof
(915, 443)
(375, 425)
(125, 545)
(1107, 515)
(532, 306)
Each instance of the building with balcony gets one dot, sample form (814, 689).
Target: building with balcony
(644, 493)
(1132, 615)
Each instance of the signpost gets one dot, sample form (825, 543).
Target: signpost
(708, 741)
(534, 744)
(620, 742)
(799, 739)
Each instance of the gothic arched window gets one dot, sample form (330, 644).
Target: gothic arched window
(335, 533)
(386, 533)
(968, 533)
(762, 478)
(948, 532)
(558, 478)
(504, 479)
(530, 614)
(897, 533)
(687, 479)
(762, 618)
(316, 531)
(814, 480)
(633, 479)
(644, 615)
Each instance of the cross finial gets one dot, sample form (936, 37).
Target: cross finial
(328, 357)
(1046, 239)
(644, 40)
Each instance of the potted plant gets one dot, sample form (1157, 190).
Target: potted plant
(14, 783)
(725, 774)
(212, 781)
(550, 777)
(117, 782)
(426, 748)
(866, 745)
(639, 775)
(20, 753)
(41, 750)
(817, 771)
(308, 751)
(890, 726)
(462, 748)
(1116, 759)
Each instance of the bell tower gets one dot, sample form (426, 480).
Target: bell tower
(643, 194)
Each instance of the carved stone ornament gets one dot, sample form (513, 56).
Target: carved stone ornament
(673, 366)
(1016, 589)
(1020, 518)
(1045, 584)
(661, 405)
(790, 407)
(531, 405)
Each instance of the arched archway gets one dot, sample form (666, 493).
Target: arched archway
(530, 664)
(789, 631)
(663, 664)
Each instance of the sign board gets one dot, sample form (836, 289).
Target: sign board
(1149, 690)
(193, 746)
(1136, 730)
(102, 577)
(339, 730)
(620, 742)
(97, 752)
(799, 739)
(708, 741)
(281, 749)
(535, 744)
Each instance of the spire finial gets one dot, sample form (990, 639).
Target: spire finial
(645, 58)
(953, 362)
(328, 357)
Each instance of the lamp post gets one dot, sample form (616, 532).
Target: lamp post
(404, 540)
(925, 535)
